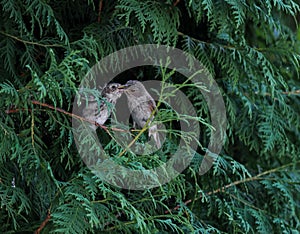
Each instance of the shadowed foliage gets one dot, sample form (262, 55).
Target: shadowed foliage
(251, 49)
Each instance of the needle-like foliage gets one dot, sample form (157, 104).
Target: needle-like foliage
(252, 51)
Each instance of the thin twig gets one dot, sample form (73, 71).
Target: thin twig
(205, 42)
(244, 202)
(10, 111)
(175, 3)
(250, 179)
(146, 126)
(43, 224)
(30, 42)
(134, 140)
(76, 116)
(100, 10)
(32, 129)
(220, 45)
(295, 92)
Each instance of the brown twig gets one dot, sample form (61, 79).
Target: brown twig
(30, 42)
(10, 111)
(100, 10)
(222, 189)
(175, 3)
(295, 92)
(75, 116)
(43, 224)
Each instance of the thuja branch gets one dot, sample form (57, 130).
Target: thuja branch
(207, 43)
(250, 179)
(30, 42)
(140, 132)
(136, 138)
(288, 93)
(153, 217)
(240, 48)
(76, 116)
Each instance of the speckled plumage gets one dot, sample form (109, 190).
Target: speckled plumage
(100, 113)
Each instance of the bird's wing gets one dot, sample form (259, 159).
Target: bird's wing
(151, 104)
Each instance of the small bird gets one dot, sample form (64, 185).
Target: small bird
(141, 106)
(100, 113)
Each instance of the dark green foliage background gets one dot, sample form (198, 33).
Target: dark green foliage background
(252, 50)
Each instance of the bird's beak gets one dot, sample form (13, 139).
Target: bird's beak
(124, 87)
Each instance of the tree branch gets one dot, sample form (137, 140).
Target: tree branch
(43, 224)
(222, 189)
(11, 111)
(30, 42)
(100, 10)
(66, 113)
(76, 116)
(175, 3)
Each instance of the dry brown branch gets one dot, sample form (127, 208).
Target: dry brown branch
(100, 10)
(43, 224)
(10, 111)
(76, 116)
(175, 3)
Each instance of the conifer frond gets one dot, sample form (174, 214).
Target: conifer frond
(251, 49)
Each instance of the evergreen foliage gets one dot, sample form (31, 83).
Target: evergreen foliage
(252, 50)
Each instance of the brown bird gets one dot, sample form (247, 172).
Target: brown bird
(141, 106)
(100, 113)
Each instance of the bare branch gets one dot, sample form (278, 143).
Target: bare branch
(43, 224)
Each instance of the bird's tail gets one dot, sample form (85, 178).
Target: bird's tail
(153, 132)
